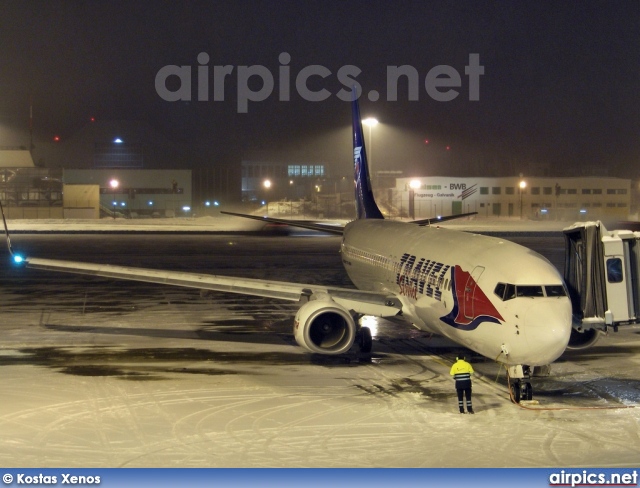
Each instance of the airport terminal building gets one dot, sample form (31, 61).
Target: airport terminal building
(579, 198)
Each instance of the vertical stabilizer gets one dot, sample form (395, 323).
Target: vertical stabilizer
(366, 207)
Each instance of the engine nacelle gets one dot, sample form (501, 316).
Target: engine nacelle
(324, 327)
(582, 339)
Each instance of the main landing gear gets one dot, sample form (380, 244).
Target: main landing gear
(519, 384)
(364, 340)
(363, 336)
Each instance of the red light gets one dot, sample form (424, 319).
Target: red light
(56, 138)
(448, 147)
(93, 119)
(426, 141)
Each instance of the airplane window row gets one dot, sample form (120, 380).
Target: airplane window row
(507, 291)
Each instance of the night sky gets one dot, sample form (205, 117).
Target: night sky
(560, 91)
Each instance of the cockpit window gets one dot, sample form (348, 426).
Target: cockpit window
(507, 291)
(529, 291)
(510, 292)
(555, 291)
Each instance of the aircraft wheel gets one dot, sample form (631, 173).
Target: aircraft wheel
(366, 342)
(515, 391)
(528, 391)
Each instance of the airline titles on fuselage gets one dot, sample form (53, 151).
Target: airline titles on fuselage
(421, 277)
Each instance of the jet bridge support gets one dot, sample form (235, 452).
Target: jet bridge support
(602, 274)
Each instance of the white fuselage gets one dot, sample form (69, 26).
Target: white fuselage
(463, 286)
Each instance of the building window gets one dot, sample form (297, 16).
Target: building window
(509, 190)
(496, 190)
(586, 191)
(535, 190)
(597, 191)
(547, 190)
(484, 190)
(121, 155)
(572, 191)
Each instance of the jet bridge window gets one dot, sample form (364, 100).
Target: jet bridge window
(614, 270)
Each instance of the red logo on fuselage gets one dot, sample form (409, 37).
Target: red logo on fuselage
(471, 306)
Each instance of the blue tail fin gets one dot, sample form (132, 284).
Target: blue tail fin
(366, 207)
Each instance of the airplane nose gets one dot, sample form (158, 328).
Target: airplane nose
(547, 330)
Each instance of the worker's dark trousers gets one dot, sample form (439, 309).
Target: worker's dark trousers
(461, 393)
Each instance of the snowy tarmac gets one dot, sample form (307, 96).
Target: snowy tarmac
(102, 373)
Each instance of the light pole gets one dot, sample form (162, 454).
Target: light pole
(371, 123)
(413, 186)
(266, 184)
(114, 185)
(522, 186)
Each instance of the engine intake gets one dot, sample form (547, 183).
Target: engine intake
(582, 339)
(324, 327)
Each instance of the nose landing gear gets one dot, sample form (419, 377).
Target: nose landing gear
(519, 385)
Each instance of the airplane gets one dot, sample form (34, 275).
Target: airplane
(495, 297)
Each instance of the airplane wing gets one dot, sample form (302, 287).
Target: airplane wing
(336, 229)
(361, 302)
(305, 224)
(437, 220)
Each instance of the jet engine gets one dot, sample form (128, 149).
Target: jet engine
(582, 339)
(324, 327)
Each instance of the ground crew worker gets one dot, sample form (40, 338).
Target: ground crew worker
(461, 372)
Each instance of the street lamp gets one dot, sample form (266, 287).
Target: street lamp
(267, 184)
(114, 185)
(522, 186)
(371, 123)
(413, 186)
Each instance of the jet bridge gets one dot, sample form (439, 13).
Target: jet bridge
(602, 274)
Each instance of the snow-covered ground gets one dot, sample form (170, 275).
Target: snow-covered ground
(98, 373)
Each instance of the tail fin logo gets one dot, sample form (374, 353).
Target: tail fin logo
(356, 153)
(357, 158)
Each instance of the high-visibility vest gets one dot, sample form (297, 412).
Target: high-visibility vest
(461, 372)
